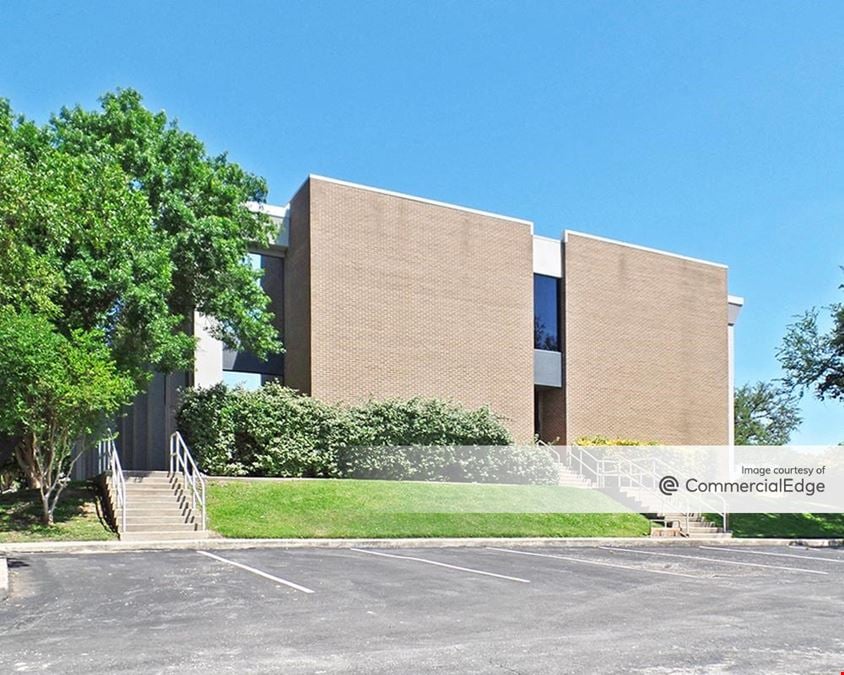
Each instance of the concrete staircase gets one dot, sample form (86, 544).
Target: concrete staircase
(570, 478)
(670, 524)
(645, 499)
(158, 508)
(677, 525)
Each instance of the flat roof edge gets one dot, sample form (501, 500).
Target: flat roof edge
(643, 248)
(422, 200)
(276, 210)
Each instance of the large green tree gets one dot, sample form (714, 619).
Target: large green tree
(766, 413)
(117, 225)
(197, 203)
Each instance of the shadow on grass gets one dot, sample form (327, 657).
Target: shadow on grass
(77, 515)
(806, 525)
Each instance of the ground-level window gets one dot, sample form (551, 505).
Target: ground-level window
(233, 378)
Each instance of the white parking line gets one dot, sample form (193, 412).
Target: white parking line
(716, 560)
(600, 563)
(442, 564)
(278, 580)
(778, 555)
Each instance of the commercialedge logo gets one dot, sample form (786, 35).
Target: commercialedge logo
(668, 485)
(766, 486)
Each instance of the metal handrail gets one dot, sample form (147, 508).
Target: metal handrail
(181, 462)
(570, 457)
(670, 470)
(633, 471)
(108, 460)
(631, 476)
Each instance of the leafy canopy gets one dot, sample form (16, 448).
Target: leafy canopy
(812, 358)
(116, 220)
(197, 203)
(765, 414)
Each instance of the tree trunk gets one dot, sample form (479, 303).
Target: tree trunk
(47, 512)
(25, 456)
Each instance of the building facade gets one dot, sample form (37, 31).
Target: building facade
(379, 294)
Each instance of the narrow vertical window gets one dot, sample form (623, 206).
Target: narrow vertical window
(546, 312)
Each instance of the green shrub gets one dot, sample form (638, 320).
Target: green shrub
(276, 431)
(476, 464)
(422, 421)
(604, 440)
(273, 431)
(206, 420)
(279, 432)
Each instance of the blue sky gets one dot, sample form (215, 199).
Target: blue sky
(714, 130)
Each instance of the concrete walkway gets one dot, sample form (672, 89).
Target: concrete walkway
(235, 544)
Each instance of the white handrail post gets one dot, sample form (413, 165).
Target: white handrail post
(182, 462)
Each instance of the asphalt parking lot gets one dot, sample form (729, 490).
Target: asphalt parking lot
(642, 610)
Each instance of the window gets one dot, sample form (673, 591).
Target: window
(244, 367)
(546, 312)
(248, 381)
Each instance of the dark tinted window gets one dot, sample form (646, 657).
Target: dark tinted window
(546, 312)
(246, 362)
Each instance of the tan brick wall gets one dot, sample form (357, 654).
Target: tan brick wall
(409, 298)
(646, 345)
(297, 295)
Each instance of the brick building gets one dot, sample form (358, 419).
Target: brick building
(379, 294)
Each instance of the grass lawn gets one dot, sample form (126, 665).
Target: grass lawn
(824, 525)
(365, 508)
(76, 517)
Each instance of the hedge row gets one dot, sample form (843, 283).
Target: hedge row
(275, 431)
(462, 464)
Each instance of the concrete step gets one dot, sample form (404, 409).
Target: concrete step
(131, 528)
(145, 474)
(163, 535)
(159, 520)
(152, 493)
(147, 491)
(141, 511)
(148, 527)
(158, 503)
(672, 532)
(151, 483)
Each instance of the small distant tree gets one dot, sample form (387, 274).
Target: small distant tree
(766, 413)
(813, 359)
(56, 393)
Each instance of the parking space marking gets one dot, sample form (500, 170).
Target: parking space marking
(778, 555)
(715, 560)
(278, 580)
(442, 564)
(600, 563)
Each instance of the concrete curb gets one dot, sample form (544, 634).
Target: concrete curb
(4, 579)
(235, 544)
